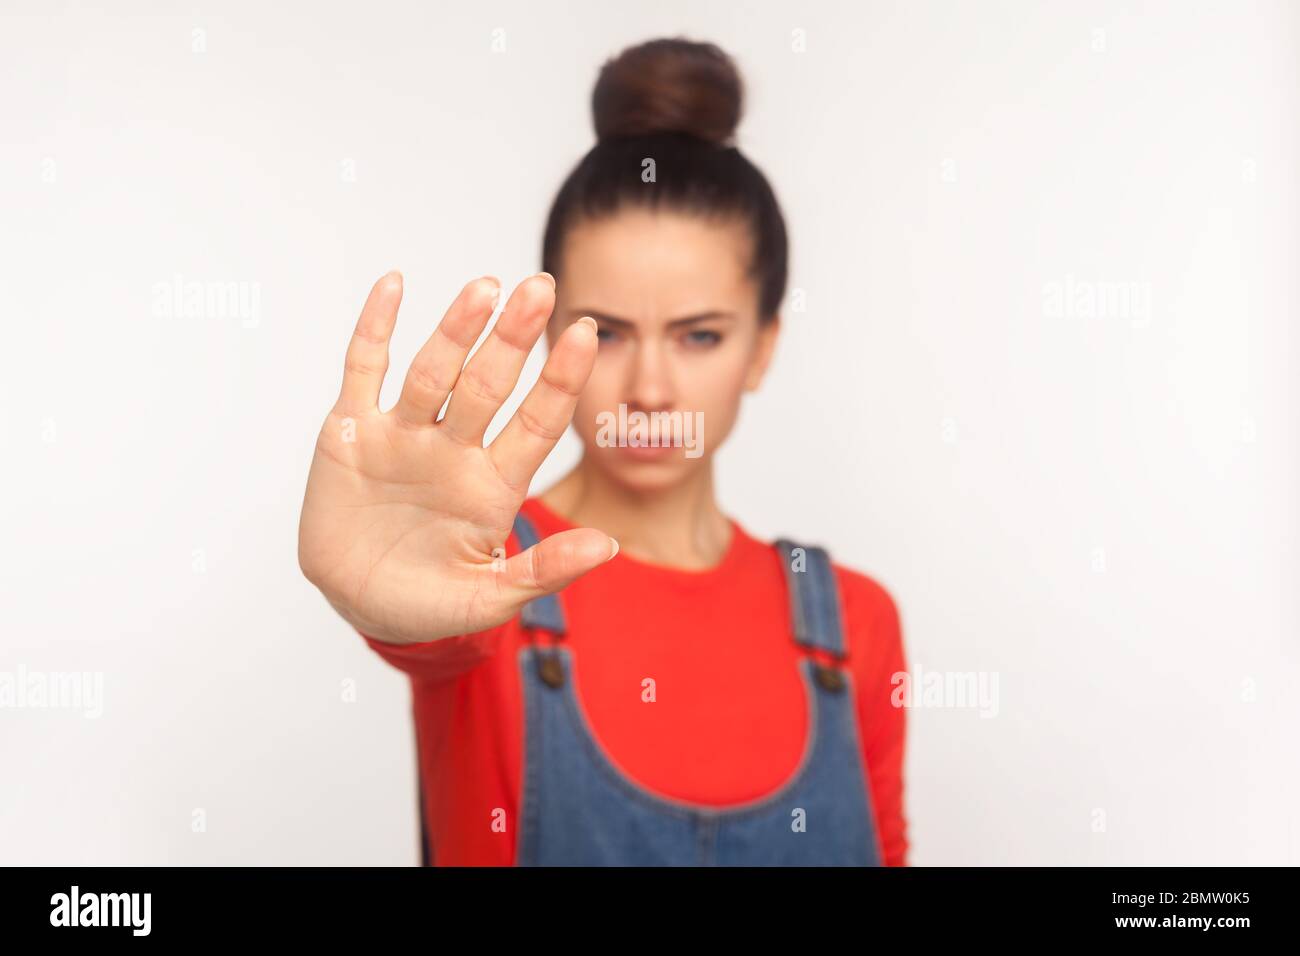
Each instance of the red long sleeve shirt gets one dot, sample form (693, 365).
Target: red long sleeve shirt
(729, 720)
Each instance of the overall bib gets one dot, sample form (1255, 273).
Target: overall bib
(579, 809)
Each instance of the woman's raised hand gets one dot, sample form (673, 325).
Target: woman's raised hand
(403, 512)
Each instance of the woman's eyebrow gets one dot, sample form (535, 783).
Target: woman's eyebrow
(686, 320)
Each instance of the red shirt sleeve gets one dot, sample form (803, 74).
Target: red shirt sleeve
(876, 648)
(441, 659)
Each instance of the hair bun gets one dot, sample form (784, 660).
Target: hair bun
(668, 86)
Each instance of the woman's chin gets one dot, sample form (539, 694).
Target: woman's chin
(647, 469)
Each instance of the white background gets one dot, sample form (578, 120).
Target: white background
(1100, 509)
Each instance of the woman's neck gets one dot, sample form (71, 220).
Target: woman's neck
(680, 527)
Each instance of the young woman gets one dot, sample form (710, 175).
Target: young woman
(614, 672)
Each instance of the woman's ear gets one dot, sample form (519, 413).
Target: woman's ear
(763, 350)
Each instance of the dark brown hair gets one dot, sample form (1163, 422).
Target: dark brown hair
(677, 102)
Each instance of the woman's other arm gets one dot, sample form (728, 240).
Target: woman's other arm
(876, 648)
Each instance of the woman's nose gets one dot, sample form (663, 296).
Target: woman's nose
(651, 386)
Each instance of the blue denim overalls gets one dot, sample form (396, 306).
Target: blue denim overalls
(578, 809)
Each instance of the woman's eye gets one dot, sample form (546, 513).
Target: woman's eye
(605, 335)
(702, 338)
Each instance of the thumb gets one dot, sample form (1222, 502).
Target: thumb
(556, 561)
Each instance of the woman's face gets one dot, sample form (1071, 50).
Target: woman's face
(680, 339)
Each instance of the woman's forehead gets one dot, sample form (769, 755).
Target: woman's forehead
(657, 265)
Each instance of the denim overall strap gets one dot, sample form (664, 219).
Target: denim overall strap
(543, 612)
(814, 597)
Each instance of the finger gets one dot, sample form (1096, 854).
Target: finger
(489, 378)
(367, 358)
(546, 412)
(437, 365)
(555, 562)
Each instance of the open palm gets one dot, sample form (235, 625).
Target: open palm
(403, 511)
